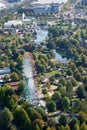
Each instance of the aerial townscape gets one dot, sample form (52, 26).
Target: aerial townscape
(43, 64)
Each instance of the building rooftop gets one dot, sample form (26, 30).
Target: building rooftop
(50, 1)
(13, 22)
(39, 5)
(5, 70)
(14, 85)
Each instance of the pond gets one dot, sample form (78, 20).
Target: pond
(41, 36)
(59, 57)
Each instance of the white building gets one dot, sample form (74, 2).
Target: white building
(24, 19)
(14, 23)
(2, 6)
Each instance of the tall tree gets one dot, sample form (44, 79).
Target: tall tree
(14, 76)
(56, 96)
(69, 86)
(63, 120)
(6, 118)
(81, 92)
(65, 103)
(51, 106)
(73, 122)
(76, 127)
(62, 81)
(83, 126)
(21, 119)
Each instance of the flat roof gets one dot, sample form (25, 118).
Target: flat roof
(5, 70)
(13, 22)
(50, 1)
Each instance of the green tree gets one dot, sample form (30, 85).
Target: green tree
(67, 127)
(48, 128)
(73, 122)
(11, 104)
(62, 81)
(20, 87)
(37, 127)
(21, 119)
(6, 118)
(74, 82)
(76, 127)
(80, 69)
(61, 127)
(33, 114)
(76, 56)
(48, 99)
(13, 127)
(44, 91)
(82, 117)
(6, 93)
(56, 96)
(6, 78)
(69, 86)
(77, 76)
(84, 60)
(69, 53)
(72, 66)
(69, 72)
(51, 45)
(85, 80)
(40, 67)
(52, 79)
(63, 120)
(51, 106)
(14, 76)
(9, 92)
(52, 123)
(83, 126)
(48, 85)
(20, 61)
(41, 111)
(65, 103)
(38, 122)
(81, 92)
(83, 106)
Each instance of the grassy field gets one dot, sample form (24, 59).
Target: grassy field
(52, 73)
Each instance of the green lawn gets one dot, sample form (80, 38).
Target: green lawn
(52, 73)
(64, 27)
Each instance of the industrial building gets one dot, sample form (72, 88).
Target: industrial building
(41, 8)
